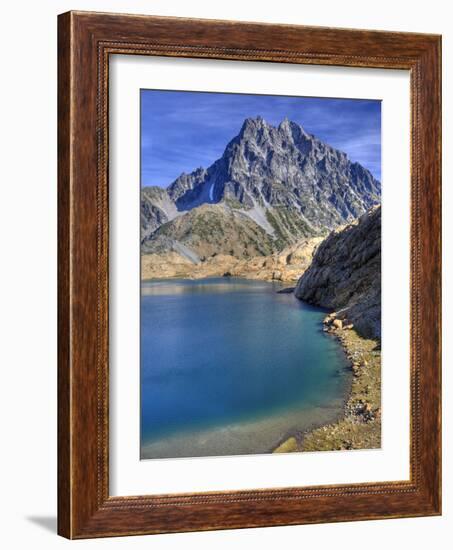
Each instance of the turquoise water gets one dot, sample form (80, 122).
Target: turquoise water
(228, 352)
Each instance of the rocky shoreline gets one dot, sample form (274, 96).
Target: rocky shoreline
(360, 425)
(341, 272)
(345, 277)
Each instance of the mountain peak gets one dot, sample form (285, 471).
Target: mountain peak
(285, 123)
(293, 128)
(281, 166)
(288, 128)
(252, 124)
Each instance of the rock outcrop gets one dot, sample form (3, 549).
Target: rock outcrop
(345, 275)
(156, 208)
(285, 266)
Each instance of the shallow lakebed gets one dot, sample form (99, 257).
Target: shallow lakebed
(230, 366)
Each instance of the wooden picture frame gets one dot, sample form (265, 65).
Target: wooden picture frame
(85, 42)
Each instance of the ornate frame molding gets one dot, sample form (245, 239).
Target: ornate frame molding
(86, 40)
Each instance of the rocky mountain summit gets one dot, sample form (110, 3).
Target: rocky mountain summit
(345, 275)
(272, 187)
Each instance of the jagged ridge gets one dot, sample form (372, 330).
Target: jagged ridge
(284, 180)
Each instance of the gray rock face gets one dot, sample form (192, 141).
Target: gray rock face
(286, 181)
(345, 274)
(282, 167)
(156, 208)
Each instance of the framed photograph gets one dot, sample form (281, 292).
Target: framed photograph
(249, 275)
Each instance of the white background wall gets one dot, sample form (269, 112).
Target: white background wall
(28, 125)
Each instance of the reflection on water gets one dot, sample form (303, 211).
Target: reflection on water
(230, 352)
(200, 286)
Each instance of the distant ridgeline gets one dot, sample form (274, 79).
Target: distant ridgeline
(272, 187)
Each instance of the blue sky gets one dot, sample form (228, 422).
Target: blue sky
(181, 131)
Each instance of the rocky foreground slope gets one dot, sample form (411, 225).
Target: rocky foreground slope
(345, 275)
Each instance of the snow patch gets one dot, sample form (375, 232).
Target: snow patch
(185, 252)
(167, 206)
(258, 215)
